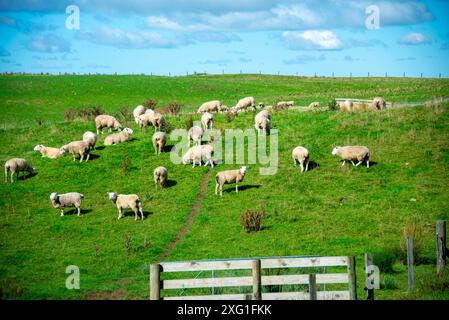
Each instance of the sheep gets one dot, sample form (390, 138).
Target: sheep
(127, 201)
(379, 103)
(17, 165)
(346, 106)
(107, 121)
(352, 153)
(262, 121)
(81, 148)
(195, 134)
(210, 106)
(244, 104)
(139, 110)
(48, 152)
(159, 140)
(314, 105)
(207, 120)
(160, 176)
(90, 138)
(60, 201)
(118, 138)
(229, 176)
(285, 104)
(199, 153)
(154, 118)
(301, 155)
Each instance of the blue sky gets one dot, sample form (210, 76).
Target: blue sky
(252, 36)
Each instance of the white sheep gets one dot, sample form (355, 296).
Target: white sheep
(210, 106)
(195, 134)
(301, 155)
(379, 103)
(81, 148)
(159, 140)
(48, 152)
(244, 104)
(160, 176)
(90, 138)
(207, 120)
(139, 110)
(262, 122)
(151, 118)
(346, 105)
(285, 104)
(314, 105)
(118, 138)
(17, 165)
(352, 153)
(229, 176)
(107, 121)
(60, 201)
(127, 201)
(198, 154)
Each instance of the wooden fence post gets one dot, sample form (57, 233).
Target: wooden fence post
(257, 280)
(441, 245)
(155, 281)
(368, 281)
(411, 279)
(312, 286)
(352, 279)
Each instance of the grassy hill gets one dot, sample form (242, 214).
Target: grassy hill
(327, 211)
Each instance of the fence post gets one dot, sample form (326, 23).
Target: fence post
(411, 280)
(441, 245)
(368, 281)
(155, 281)
(312, 286)
(352, 279)
(257, 280)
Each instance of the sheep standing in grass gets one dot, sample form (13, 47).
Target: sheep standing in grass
(379, 103)
(17, 165)
(138, 111)
(160, 176)
(90, 138)
(60, 201)
(301, 155)
(117, 138)
(159, 140)
(210, 106)
(207, 120)
(262, 122)
(81, 148)
(127, 201)
(314, 105)
(244, 104)
(107, 121)
(346, 106)
(229, 176)
(195, 135)
(151, 118)
(285, 104)
(199, 153)
(352, 153)
(48, 152)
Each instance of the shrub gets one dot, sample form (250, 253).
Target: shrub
(9, 289)
(70, 114)
(332, 105)
(188, 123)
(149, 104)
(173, 109)
(251, 220)
(388, 283)
(167, 127)
(415, 231)
(229, 116)
(124, 115)
(385, 260)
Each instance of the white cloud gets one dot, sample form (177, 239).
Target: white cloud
(414, 38)
(215, 37)
(312, 40)
(49, 43)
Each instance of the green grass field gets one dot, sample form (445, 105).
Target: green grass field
(327, 211)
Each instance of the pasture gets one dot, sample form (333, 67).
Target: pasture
(330, 210)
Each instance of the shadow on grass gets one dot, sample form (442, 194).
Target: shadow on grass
(74, 211)
(242, 188)
(170, 183)
(27, 176)
(130, 213)
(99, 148)
(349, 164)
(168, 148)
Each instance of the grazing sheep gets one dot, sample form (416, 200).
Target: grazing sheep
(210, 106)
(229, 176)
(90, 138)
(81, 148)
(127, 201)
(301, 155)
(151, 118)
(314, 105)
(262, 121)
(117, 138)
(207, 120)
(379, 103)
(195, 134)
(60, 201)
(244, 104)
(17, 165)
(352, 153)
(346, 106)
(48, 152)
(107, 121)
(149, 112)
(285, 104)
(159, 140)
(160, 176)
(139, 110)
(198, 154)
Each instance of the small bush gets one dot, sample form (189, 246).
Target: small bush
(173, 109)
(149, 104)
(167, 127)
(124, 115)
(70, 114)
(127, 243)
(251, 220)
(229, 116)
(125, 164)
(9, 289)
(332, 105)
(388, 283)
(416, 231)
(188, 123)
(385, 260)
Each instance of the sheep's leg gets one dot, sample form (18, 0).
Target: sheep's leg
(62, 212)
(294, 161)
(141, 213)
(352, 162)
(302, 166)
(81, 158)
(88, 157)
(344, 161)
(221, 190)
(136, 216)
(216, 188)
(367, 163)
(307, 166)
(358, 163)
(12, 176)
(236, 187)
(79, 211)
(119, 213)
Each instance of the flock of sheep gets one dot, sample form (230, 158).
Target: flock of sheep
(197, 154)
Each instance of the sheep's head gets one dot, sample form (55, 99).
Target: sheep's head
(128, 130)
(243, 170)
(38, 147)
(112, 196)
(335, 150)
(63, 149)
(54, 196)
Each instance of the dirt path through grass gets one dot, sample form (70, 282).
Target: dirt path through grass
(196, 206)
